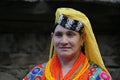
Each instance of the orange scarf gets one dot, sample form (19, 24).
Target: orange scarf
(79, 71)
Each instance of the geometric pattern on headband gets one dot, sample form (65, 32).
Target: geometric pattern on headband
(70, 23)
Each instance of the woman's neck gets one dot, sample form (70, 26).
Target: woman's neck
(67, 63)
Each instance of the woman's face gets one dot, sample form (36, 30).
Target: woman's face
(67, 43)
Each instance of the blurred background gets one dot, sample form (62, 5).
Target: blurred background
(25, 33)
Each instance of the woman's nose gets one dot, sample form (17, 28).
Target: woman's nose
(64, 40)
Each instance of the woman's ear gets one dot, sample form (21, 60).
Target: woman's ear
(51, 34)
(83, 36)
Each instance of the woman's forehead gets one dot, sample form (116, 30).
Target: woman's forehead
(62, 29)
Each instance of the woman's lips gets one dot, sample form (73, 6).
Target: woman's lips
(65, 48)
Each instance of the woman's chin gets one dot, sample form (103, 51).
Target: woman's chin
(65, 54)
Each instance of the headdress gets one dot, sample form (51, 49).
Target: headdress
(69, 23)
(91, 47)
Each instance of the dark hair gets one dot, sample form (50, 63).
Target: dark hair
(83, 49)
(53, 28)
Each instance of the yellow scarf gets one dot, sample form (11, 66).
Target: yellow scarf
(91, 48)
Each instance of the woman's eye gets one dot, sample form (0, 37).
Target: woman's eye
(58, 34)
(69, 34)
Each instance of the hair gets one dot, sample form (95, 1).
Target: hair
(53, 27)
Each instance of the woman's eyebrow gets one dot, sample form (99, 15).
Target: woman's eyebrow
(58, 31)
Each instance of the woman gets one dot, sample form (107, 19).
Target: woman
(74, 53)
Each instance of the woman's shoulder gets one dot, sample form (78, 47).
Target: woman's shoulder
(36, 72)
(97, 73)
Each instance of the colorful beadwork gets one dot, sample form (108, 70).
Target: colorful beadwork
(95, 73)
(104, 76)
(35, 73)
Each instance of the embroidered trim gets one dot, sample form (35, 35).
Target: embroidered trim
(70, 23)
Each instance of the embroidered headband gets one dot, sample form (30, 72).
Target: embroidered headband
(70, 23)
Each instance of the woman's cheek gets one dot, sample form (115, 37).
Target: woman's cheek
(56, 42)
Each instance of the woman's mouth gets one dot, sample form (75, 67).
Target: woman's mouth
(64, 48)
